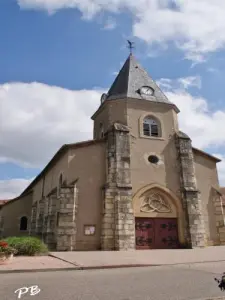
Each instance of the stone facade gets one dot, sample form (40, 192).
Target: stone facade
(49, 224)
(219, 217)
(54, 218)
(118, 226)
(66, 220)
(191, 201)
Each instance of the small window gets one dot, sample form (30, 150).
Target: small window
(153, 159)
(151, 127)
(23, 223)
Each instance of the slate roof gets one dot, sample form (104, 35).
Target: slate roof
(130, 79)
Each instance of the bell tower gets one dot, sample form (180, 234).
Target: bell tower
(141, 128)
(131, 84)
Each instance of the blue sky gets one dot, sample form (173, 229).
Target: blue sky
(66, 59)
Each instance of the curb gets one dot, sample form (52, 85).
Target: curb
(75, 268)
(117, 267)
(212, 298)
(36, 270)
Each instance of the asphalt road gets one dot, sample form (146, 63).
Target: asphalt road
(156, 283)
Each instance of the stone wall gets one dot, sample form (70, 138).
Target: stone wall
(40, 217)
(118, 224)
(219, 216)
(49, 224)
(191, 201)
(66, 219)
(54, 219)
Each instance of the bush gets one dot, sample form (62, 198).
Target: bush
(6, 249)
(27, 245)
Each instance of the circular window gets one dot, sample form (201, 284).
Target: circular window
(153, 159)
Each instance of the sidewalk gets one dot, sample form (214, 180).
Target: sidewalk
(35, 264)
(142, 257)
(113, 259)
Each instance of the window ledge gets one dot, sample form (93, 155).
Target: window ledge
(152, 137)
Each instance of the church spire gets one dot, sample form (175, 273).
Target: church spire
(134, 82)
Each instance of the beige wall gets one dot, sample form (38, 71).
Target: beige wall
(143, 172)
(50, 180)
(111, 111)
(89, 165)
(37, 191)
(12, 212)
(206, 174)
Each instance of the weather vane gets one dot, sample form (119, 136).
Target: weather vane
(130, 46)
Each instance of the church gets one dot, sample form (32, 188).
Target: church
(139, 184)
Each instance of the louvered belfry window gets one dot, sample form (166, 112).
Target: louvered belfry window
(151, 127)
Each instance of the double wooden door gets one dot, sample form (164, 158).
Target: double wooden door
(156, 233)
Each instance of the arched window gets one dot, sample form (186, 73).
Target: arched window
(151, 127)
(101, 130)
(60, 181)
(23, 223)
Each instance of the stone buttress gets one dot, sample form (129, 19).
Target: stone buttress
(195, 229)
(118, 225)
(54, 218)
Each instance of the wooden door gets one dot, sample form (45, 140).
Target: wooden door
(144, 228)
(154, 233)
(166, 234)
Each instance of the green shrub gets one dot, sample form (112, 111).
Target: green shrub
(6, 249)
(27, 245)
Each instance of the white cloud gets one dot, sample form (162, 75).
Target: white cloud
(12, 188)
(195, 118)
(181, 83)
(195, 27)
(37, 119)
(190, 81)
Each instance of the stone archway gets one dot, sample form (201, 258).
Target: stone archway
(155, 206)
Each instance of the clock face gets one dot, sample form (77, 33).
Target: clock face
(147, 90)
(103, 98)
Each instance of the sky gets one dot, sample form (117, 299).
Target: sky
(58, 56)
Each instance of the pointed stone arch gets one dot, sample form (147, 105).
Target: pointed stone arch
(170, 204)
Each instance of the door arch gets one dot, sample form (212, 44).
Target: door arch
(153, 203)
